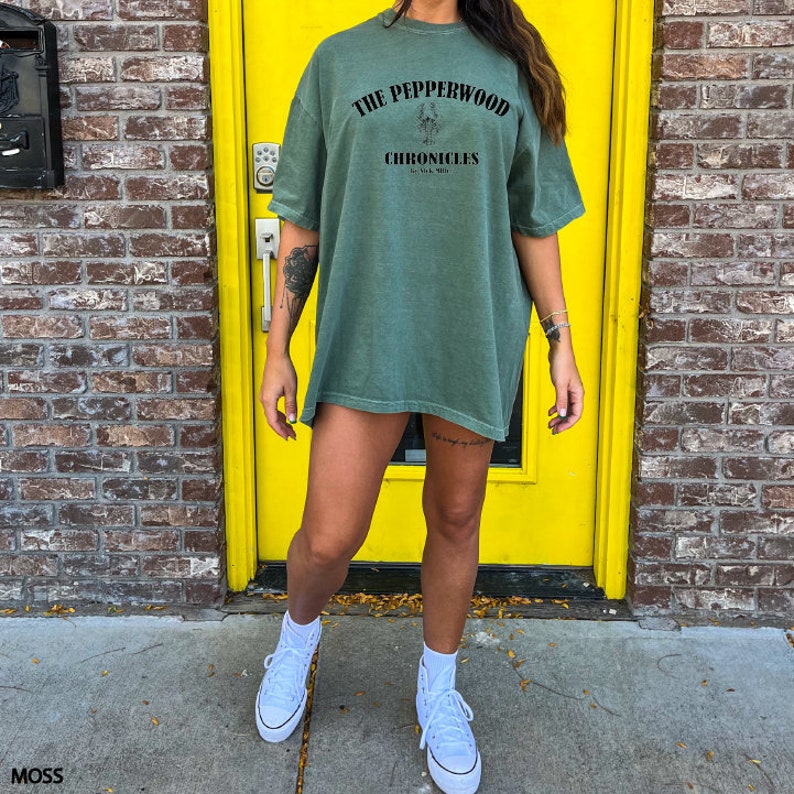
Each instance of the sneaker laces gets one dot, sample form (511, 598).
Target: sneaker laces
(286, 673)
(445, 721)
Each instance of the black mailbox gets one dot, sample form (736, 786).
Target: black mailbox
(31, 149)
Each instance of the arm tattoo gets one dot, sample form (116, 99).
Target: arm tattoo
(300, 267)
(461, 442)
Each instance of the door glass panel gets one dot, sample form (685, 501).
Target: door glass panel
(506, 454)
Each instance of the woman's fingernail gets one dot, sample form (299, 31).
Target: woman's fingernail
(562, 413)
(292, 419)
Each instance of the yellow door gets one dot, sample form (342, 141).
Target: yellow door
(541, 501)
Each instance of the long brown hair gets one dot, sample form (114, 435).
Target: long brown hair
(503, 25)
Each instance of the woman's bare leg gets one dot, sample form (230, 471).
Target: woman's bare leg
(349, 454)
(454, 492)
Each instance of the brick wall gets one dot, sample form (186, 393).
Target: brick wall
(713, 501)
(109, 444)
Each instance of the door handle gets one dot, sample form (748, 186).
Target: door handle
(268, 238)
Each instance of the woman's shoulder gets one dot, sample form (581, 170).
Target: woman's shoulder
(360, 35)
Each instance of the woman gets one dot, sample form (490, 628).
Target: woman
(423, 167)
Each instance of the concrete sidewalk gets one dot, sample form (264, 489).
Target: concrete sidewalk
(163, 705)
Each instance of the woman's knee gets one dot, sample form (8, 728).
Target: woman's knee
(326, 552)
(456, 518)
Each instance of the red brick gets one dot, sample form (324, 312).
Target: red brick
(17, 461)
(207, 541)
(184, 300)
(88, 460)
(747, 522)
(721, 439)
(131, 382)
(753, 33)
(135, 436)
(645, 600)
(165, 68)
(778, 497)
(691, 301)
(138, 272)
(766, 413)
(710, 547)
(703, 66)
(135, 488)
(90, 187)
(56, 272)
(92, 407)
(172, 243)
(781, 442)
(745, 96)
(744, 575)
(88, 299)
(192, 567)
(674, 96)
(104, 245)
(665, 330)
(121, 97)
(187, 97)
(686, 187)
(681, 413)
(20, 355)
(736, 274)
(142, 540)
(126, 157)
(680, 358)
(705, 7)
(201, 436)
(729, 331)
(763, 359)
(776, 548)
(773, 66)
(18, 245)
(121, 38)
(776, 602)
(185, 38)
(67, 355)
(182, 409)
(716, 599)
(190, 158)
(125, 217)
(130, 327)
(677, 467)
(11, 299)
(22, 408)
(41, 327)
(59, 539)
(200, 490)
(765, 302)
(770, 125)
(185, 272)
(758, 468)
(736, 216)
(160, 128)
(25, 516)
(696, 245)
(45, 435)
(706, 494)
(96, 515)
(194, 10)
(47, 488)
(768, 186)
(201, 380)
(674, 155)
(28, 565)
(656, 439)
(179, 516)
(782, 386)
(773, 6)
(173, 187)
(68, 10)
(774, 246)
(35, 381)
(654, 387)
(86, 69)
(681, 35)
(180, 355)
(675, 125)
(187, 216)
(41, 216)
(736, 386)
(739, 155)
(669, 216)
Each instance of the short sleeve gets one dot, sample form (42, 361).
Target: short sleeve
(542, 190)
(297, 190)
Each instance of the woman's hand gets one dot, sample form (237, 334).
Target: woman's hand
(568, 406)
(280, 380)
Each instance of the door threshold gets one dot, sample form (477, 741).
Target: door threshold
(493, 581)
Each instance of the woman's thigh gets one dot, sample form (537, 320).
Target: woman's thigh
(457, 472)
(349, 453)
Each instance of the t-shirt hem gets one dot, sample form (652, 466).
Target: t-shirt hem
(552, 226)
(287, 213)
(399, 406)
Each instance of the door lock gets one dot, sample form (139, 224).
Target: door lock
(265, 163)
(268, 238)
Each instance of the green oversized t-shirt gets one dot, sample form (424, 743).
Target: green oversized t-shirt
(414, 150)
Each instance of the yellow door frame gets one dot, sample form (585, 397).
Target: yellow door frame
(620, 326)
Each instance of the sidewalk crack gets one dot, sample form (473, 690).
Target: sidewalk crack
(304, 753)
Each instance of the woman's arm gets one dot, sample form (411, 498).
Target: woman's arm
(297, 267)
(539, 259)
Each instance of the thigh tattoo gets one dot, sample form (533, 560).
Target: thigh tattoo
(461, 442)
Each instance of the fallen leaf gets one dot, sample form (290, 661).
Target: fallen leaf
(463, 661)
(324, 622)
(552, 645)
(517, 663)
(754, 761)
(681, 745)
(155, 721)
(710, 755)
(586, 691)
(344, 709)
(145, 702)
(523, 684)
(360, 693)
(104, 672)
(34, 660)
(511, 654)
(704, 682)
(520, 631)
(593, 706)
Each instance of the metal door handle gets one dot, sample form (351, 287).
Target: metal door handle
(268, 237)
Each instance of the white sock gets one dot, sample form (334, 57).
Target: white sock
(440, 667)
(298, 631)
